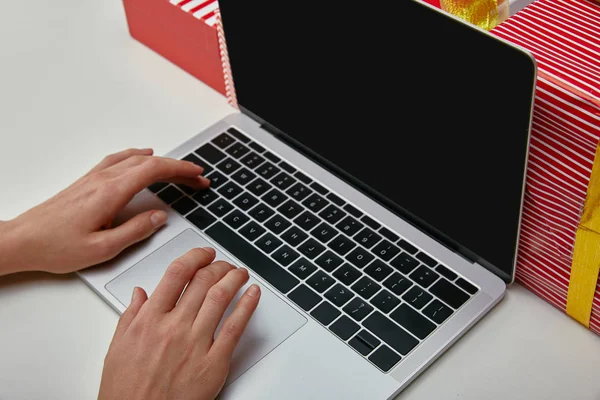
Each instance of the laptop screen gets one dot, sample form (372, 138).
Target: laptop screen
(424, 113)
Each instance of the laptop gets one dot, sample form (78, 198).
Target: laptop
(371, 182)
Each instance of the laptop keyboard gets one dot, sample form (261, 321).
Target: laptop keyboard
(373, 289)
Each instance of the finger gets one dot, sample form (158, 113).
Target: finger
(138, 299)
(116, 158)
(196, 290)
(235, 325)
(198, 182)
(216, 302)
(178, 274)
(113, 241)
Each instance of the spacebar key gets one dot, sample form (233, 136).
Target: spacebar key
(254, 259)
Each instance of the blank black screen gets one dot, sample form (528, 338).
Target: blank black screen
(431, 115)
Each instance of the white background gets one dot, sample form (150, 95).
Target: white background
(74, 87)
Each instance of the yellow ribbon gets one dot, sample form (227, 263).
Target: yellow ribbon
(585, 267)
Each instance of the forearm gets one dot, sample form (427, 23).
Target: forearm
(13, 248)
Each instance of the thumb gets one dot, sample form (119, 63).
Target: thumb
(136, 229)
(138, 299)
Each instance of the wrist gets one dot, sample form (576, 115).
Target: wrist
(13, 253)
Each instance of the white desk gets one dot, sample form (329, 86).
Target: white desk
(75, 87)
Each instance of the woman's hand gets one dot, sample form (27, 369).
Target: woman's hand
(72, 230)
(164, 348)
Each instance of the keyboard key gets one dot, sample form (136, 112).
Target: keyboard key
(412, 321)
(339, 295)
(268, 243)
(259, 187)
(449, 293)
(315, 203)
(424, 276)
(325, 313)
(243, 176)
(378, 270)
(256, 147)
(442, 270)
(299, 191)
(285, 255)
(277, 224)
(184, 205)
(252, 231)
(367, 238)
(307, 220)
(385, 301)
(290, 209)
(228, 166)
(274, 198)
(230, 190)
(390, 333)
(341, 245)
(353, 211)
(437, 311)
(252, 160)
(335, 199)
(318, 188)
(409, 248)
(237, 150)
(364, 342)
(344, 327)
(283, 181)
(332, 214)
(385, 250)
(466, 286)
(235, 219)
(370, 222)
(210, 153)
(397, 283)
(281, 279)
(238, 135)
(294, 236)
(384, 358)
(349, 226)
(192, 158)
(302, 177)
(320, 281)
(303, 268)
(366, 287)
(217, 179)
(323, 232)
(311, 248)
(206, 196)
(359, 257)
(245, 201)
(404, 263)
(347, 274)
(170, 194)
(304, 297)
(220, 207)
(417, 297)
(267, 170)
(261, 212)
(201, 218)
(186, 189)
(272, 157)
(287, 167)
(223, 140)
(158, 186)
(328, 261)
(358, 309)
(425, 259)
(389, 235)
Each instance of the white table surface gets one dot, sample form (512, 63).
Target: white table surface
(73, 87)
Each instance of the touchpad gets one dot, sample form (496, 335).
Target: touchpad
(272, 323)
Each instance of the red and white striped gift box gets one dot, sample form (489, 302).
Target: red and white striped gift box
(564, 37)
(205, 10)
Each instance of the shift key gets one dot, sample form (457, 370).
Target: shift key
(254, 259)
(396, 337)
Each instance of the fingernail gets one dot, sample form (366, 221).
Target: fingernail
(253, 290)
(134, 294)
(158, 218)
(210, 250)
